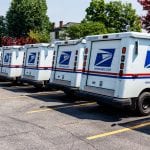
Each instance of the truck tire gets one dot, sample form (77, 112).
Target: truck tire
(39, 86)
(143, 103)
(71, 95)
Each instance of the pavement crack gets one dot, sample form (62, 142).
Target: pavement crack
(27, 122)
(15, 134)
(78, 137)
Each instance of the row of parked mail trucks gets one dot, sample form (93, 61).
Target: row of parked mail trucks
(113, 67)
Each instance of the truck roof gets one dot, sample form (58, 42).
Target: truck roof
(37, 45)
(13, 46)
(70, 42)
(118, 36)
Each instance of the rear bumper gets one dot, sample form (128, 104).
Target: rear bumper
(32, 82)
(117, 102)
(61, 87)
(6, 77)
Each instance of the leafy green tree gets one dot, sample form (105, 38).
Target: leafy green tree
(26, 15)
(3, 28)
(39, 36)
(86, 28)
(115, 15)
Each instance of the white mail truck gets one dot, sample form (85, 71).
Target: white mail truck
(38, 64)
(117, 69)
(12, 62)
(67, 65)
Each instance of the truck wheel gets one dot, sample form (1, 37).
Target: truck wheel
(39, 86)
(70, 94)
(143, 103)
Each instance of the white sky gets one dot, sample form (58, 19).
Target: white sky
(67, 10)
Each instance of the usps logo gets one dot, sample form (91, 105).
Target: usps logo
(65, 58)
(147, 61)
(104, 57)
(7, 57)
(32, 58)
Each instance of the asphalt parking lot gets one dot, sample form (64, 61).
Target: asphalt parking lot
(32, 119)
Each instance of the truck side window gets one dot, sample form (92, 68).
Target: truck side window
(136, 50)
(136, 47)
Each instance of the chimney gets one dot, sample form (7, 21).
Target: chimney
(60, 24)
(53, 25)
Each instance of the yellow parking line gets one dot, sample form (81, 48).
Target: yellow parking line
(118, 131)
(39, 110)
(59, 107)
(13, 97)
(86, 104)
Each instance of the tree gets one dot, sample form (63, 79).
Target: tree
(115, 15)
(26, 15)
(3, 28)
(84, 29)
(146, 19)
(39, 36)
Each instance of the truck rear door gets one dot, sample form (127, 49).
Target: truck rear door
(31, 61)
(65, 62)
(104, 62)
(7, 54)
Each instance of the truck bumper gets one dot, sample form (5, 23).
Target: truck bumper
(61, 87)
(117, 102)
(7, 78)
(32, 82)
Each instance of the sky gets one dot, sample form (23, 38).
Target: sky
(67, 10)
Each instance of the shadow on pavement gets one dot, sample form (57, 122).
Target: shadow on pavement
(145, 129)
(80, 110)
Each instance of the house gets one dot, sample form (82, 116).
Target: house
(58, 31)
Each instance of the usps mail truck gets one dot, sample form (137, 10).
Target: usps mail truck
(12, 62)
(67, 65)
(38, 64)
(117, 69)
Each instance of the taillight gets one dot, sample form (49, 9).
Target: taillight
(122, 58)
(24, 58)
(86, 51)
(53, 62)
(75, 63)
(76, 52)
(85, 59)
(38, 59)
(122, 66)
(84, 63)
(122, 61)
(75, 60)
(121, 73)
(123, 50)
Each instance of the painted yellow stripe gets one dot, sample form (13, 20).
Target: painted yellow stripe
(118, 131)
(59, 107)
(13, 97)
(37, 111)
(84, 104)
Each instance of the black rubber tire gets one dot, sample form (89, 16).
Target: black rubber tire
(143, 104)
(39, 86)
(100, 103)
(71, 95)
